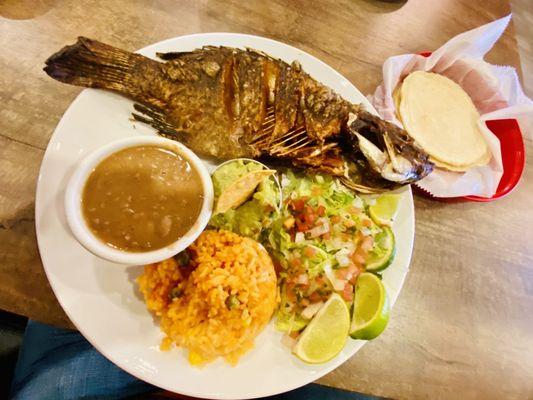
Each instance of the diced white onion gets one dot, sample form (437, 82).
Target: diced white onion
(337, 284)
(299, 237)
(310, 311)
(322, 221)
(337, 243)
(302, 279)
(329, 272)
(358, 202)
(366, 231)
(285, 181)
(342, 259)
(319, 230)
(343, 251)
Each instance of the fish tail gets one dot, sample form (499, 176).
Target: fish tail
(94, 64)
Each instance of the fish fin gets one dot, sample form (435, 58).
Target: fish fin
(194, 54)
(156, 117)
(171, 55)
(94, 64)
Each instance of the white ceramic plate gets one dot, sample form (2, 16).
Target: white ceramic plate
(102, 299)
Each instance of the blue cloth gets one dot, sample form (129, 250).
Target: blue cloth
(59, 364)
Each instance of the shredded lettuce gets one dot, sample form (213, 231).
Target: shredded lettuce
(286, 319)
(320, 189)
(315, 265)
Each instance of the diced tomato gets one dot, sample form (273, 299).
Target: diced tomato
(301, 226)
(309, 214)
(296, 262)
(367, 223)
(315, 297)
(321, 211)
(335, 219)
(355, 272)
(298, 205)
(319, 280)
(309, 219)
(359, 257)
(346, 236)
(342, 274)
(367, 243)
(353, 269)
(277, 266)
(347, 293)
(309, 251)
(291, 296)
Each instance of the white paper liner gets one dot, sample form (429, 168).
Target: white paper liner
(495, 91)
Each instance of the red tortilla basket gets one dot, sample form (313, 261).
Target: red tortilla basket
(513, 157)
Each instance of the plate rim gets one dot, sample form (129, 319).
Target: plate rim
(212, 394)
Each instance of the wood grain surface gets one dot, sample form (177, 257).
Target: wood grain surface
(462, 327)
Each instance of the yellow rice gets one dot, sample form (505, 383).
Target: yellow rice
(201, 319)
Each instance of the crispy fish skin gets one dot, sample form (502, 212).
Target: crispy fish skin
(226, 103)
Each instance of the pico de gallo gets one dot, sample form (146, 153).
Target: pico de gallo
(321, 242)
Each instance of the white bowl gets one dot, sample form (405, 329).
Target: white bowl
(85, 236)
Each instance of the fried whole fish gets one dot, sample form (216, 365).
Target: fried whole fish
(227, 102)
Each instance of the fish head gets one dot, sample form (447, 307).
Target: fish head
(382, 154)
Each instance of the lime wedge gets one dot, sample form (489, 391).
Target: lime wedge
(384, 209)
(326, 334)
(371, 307)
(383, 252)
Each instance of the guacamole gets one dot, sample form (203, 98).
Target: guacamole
(254, 215)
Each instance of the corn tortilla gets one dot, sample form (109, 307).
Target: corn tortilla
(442, 118)
(239, 191)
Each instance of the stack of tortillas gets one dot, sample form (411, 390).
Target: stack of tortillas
(442, 119)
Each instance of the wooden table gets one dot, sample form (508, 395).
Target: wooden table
(463, 325)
